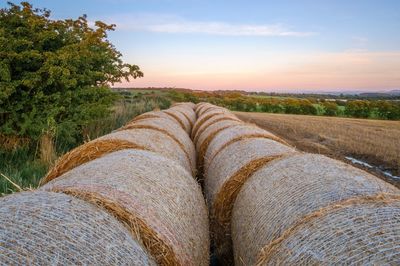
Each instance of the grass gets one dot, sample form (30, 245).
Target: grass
(25, 165)
(376, 142)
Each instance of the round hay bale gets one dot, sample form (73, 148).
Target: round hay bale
(189, 104)
(43, 228)
(155, 141)
(226, 137)
(212, 108)
(156, 114)
(187, 112)
(213, 120)
(138, 138)
(86, 152)
(208, 135)
(153, 195)
(200, 106)
(174, 132)
(203, 118)
(285, 192)
(224, 178)
(180, 118)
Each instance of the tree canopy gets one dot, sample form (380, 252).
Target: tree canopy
(55, 74)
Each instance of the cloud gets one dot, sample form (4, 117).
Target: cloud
(173, 24)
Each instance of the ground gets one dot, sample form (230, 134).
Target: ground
(376, 142)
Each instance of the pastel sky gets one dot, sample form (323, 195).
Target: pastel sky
(286, 45)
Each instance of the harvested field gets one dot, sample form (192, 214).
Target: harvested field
(376, 142)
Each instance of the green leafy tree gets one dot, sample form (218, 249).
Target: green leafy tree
(55, 73)
(358, 108)
(330, 108)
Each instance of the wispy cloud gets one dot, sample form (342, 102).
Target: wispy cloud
(173, 24)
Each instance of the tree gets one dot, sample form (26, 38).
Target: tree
(330, 108)
(55, 73)
(358, 108)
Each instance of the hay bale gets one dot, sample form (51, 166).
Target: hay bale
(212, 108)
(180, 118)
(46, 228)
(278, 209)
(213, 120)
(189, 104)
(230, 135)
(156, 114)
(224, 178)
(187, 111)
(200, 106)
(86, 152)
(208, 135)
(153, 195)
(155, 141)
(138, 138)
(203, 118)
(176, 133)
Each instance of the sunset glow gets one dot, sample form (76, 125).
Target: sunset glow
(252, 45)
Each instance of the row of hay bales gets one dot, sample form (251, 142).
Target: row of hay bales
(127, 198)
(271, 204)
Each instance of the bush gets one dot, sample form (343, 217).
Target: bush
(54, 74)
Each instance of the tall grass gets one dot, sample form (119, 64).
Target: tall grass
(25, 165)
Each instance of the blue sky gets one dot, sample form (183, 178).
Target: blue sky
(253, 45)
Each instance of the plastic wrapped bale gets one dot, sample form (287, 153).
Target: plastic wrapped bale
(153, 195)
(188, 112)
(138, 138)
(180, 118)
(213, 120)
(310, 209)
(224, 178)
(174, 132)
(225, 137)
(208, 135)
(203, 118)
(156, 114)
(46, 228)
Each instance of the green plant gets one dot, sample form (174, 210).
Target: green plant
(55, 70)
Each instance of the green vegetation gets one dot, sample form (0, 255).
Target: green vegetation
(237, 101)
(55, 74)
(25, 165)
(55, 78)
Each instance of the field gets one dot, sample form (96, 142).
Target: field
(375, 142)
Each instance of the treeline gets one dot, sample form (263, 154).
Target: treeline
(377, 109)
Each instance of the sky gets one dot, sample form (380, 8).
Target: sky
(282, 46)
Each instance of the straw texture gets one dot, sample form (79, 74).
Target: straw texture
(230, 135)
(208, 135)
(176, 133)
(199, 107)
(203, 118)
(153, 195)
(229, 170)
(188, 104)
(187, 111)
(44, 228)
(86, 152)
(283, 192)
(180, 118)
(157, 114)
(213, 120)
(156, 141)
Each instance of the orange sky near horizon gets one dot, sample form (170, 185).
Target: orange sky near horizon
(352, 70)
